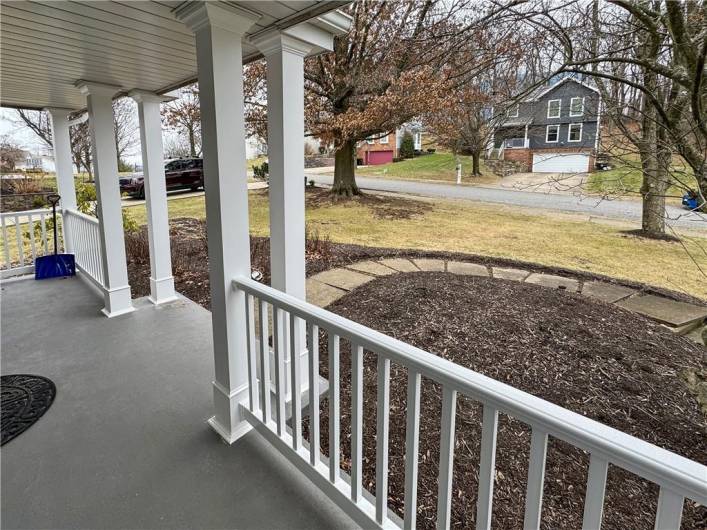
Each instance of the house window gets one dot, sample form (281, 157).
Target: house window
(418, 141)
(554, 107)
(370, 140)
(514, 111)
(577, 106)
(575, 132)
(383, 139)
(552, 134)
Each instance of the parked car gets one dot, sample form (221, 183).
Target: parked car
(180, 173)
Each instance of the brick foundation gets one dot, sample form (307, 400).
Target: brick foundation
(523, 156)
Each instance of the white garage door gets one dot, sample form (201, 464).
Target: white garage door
(560, 163)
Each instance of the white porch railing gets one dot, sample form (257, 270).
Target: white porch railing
(85, 244)
(25, 235)
(677, 477)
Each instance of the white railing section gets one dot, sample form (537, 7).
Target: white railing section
(677, 477)
(85, 244)
(25, 235)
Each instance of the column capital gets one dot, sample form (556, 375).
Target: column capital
(199, 15)
(59, 112)
(146, 96)
(95, 88)
(275, 41)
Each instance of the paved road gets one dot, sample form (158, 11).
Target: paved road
(613, 209)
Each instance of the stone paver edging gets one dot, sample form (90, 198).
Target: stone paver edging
(681, 317)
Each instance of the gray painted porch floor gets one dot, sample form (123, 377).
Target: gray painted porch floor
(125, 444)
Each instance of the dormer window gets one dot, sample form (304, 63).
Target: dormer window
(554, 108)
(577, 106)
(514, 111)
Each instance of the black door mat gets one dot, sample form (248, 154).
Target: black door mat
(23, 400)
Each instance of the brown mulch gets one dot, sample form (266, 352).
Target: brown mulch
(598, 360)
(595, 359)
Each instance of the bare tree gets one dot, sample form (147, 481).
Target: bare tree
(183, 115)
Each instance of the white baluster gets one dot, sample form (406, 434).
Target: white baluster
(280, 333)
(296, 385)
(32, 246)
(594, 498)
(264, 361)
(383, 411)
(356, 421)
(313, 347)
(18, 237)
(5, 242)
(250, 342)
(669, 512)
(333, 408)
(487, 468)
(43, 223)
(536, 478)
(446, 458)
(412, 442)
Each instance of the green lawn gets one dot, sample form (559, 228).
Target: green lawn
(436, 166)
(555, 240)
(626, 179)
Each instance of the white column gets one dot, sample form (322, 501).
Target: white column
(63, 164)
(161, 279)
(219, 29)
(105, 169)
(285, 83)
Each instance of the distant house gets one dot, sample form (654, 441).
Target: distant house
(36, 162)
(382, 148)
(553, 130)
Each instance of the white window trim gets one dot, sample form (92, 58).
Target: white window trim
(515, 113)
(547, 134)
(559, 108)
(569, 132)
(370, 141)
(383, 139)
(581, 112)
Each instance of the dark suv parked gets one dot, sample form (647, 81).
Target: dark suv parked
(181, 173)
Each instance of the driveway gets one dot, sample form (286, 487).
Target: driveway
(561, 202)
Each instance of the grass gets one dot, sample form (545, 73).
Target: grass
(626, 180)
(504, 232)
(439, 167)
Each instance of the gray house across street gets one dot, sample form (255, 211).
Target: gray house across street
(553, 130)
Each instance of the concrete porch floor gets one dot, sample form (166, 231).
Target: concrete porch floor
(125, 444)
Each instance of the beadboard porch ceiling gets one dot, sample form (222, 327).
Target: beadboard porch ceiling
(47, 46)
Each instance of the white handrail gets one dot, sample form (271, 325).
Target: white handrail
(678, 476)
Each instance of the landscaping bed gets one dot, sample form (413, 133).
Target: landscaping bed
(595, 359)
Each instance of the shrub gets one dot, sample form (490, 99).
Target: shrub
(261, 171)
(407, 145)
(123, 166)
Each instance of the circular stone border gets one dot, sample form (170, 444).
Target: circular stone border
(682, 318)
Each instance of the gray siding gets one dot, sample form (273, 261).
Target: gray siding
(538, 111)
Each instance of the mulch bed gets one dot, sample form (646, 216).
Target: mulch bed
(190, 262)
(592, 358)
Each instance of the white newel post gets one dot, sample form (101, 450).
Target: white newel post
(285, 83)
(161, 279)
(116, 290)
(219, 29)
(63, 164)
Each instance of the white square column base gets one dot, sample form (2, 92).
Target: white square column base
(228, 421)
(162, 290)
(118, 301)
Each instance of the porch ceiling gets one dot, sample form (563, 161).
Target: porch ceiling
(47, 46)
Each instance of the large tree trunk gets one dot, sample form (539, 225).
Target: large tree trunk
(345, 170)
(192, 143)
(476, 163)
